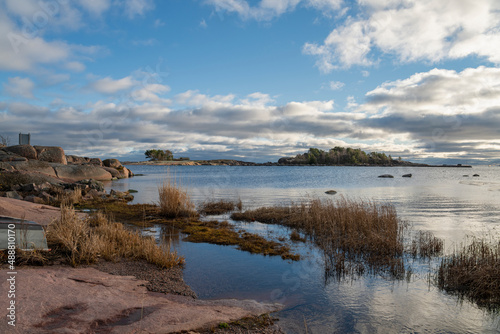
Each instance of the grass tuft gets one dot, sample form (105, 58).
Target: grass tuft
(218, 207)
(174, 202)
(83, 241)
(473, 272)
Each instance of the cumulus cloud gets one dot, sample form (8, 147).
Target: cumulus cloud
(109, 86)
(441, 110)
(19, 87)
(96, 7)
(448, 29)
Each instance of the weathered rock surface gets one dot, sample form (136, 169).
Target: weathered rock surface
(111, 163)
(26, 151)
(34, 166)
(81, 172)
(10, 156)
(51, 154)
(86, 300)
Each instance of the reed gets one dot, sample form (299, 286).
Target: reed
(355, 236)
(174, 202)
(473, 272)
(84, 241)
(218, 207)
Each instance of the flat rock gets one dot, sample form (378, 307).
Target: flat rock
(81, 172)
(330, 192)
(60, 299)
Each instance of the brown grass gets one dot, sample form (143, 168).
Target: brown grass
(84, 241)
(473, 272)
(426, 245)
(356, 236)
(174, 202)
(219, 207)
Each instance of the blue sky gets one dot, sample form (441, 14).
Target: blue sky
(253, 80)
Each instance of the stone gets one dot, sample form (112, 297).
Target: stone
(34, 199)
(407, 175)
(389, 176)
(81, 172)
(6, 156)
(11, 179)
(34, 166)
(330, 192)
(95, 161)
(92, 184)
(51, 154)
(475, 175)
(111, 163)
(13, 194)
(26, 151)
(119, 173)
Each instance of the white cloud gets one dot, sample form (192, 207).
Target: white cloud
(203, 24)
(19, 87)
(150, 93)
(95, 7)
(266, 10)
(109, 86)
(335, 85)
(135, 8)
(413, 31)
(74, 66)
(159, 23)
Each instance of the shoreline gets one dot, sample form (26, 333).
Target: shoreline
(246, 163)
(125, 296)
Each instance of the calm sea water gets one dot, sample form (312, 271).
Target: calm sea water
(441, 200)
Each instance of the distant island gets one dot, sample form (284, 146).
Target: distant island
(337, 156)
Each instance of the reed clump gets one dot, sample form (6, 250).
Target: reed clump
(473, 272)
(218, 207)
(355, 236)
(84, 241)
(174, 202)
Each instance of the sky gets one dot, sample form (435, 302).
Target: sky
(253, 80)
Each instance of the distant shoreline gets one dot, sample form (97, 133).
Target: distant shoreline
(224, 162)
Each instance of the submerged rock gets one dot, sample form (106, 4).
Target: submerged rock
(330, 192)
(407, 175)
(475, 175)
(388, 176)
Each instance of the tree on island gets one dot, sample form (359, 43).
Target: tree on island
(340, 156)
(159, 155)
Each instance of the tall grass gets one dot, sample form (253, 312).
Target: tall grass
(83, 241)
(174, 202)
(355, 236)
(218, 207)
(473, 272)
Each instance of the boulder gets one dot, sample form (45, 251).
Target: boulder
(95, 161)
(112, 163)
(475, 175)
(6, 156)
(26, 151)
(34, 166)
(13, 179)
(388, 176)
(75, 173)
(119, 173)
(51, 154)
(34, 199)
(330, 192)
(92, 184)
(407, 175)
(75, 160)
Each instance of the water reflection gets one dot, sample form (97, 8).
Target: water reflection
(438, 200)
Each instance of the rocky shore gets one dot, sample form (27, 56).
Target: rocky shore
(39, 174)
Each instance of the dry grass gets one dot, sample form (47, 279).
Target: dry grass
(219, 207)
(426, 245)
(84, 241)
(473, 272)
(356, 236)
(174, 202)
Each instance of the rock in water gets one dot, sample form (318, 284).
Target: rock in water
(330, 192)
(407, 175)
(388, 176)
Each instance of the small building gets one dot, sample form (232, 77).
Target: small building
(24, 139)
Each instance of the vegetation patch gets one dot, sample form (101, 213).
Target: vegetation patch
(84, 241)
(473, 273)
(174, 202)
(356, 237)
(219, 207)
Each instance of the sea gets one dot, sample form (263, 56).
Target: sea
(455, 204)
